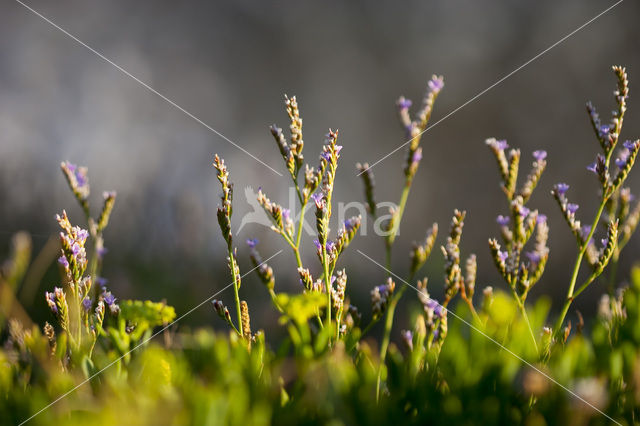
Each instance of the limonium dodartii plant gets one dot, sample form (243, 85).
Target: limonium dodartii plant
(79, 314)
(243, 328)
(78, 180)
(611, 178)
(520, 269)
(414, 129)
(317, 189)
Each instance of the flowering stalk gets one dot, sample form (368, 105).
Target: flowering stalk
(224, 221)
(608, 137)
(519, 227)
(78, 180)
(414, 130)
(328, 251)
(72, 307)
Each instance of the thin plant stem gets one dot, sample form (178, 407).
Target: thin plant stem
(232, 264)
(576, 268)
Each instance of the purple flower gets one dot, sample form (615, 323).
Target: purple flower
(572, 208)
(622, 160)
(503, 255)
(318, 198)
(630, 145)
(407, 336)
(252, 243)
(330, 246)
(349, 224)
(63, 261)
(534, 257)
(102, 282)
(503, 220)
(326, 155)
(539, 155)
(604, 242)
(436, 333)
(86, 304)
(286, 214)
(593, 167)
(502, 144)
(75, 249)
(404, 103)
(109, 298)
(561, 188)
(101, 251)
(542, 218)
(604, 131)
(585, 231)
(51, 301)
(436, 84)
(317, 244)
(417, 156)
(524, 211)
(338, 149)
(333, 279)
(83, 234)
(435, 307)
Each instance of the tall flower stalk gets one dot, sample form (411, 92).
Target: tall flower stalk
(316, 189)
(611, 180)
(224, 221)
(521, 270)
(414, 129)
(78, 180)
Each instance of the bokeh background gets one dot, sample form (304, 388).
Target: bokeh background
(229, 63)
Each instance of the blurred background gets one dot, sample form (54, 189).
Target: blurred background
(230, 63)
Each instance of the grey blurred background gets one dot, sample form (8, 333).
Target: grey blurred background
(229, 63)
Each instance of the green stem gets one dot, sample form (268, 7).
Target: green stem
(232, 264)
(576, 269)
(523, 310)
(386, 337)
(327, 280)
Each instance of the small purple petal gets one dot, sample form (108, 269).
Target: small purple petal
(562, 188)
(109, 298)
(86, 304)
(436, 84)
(286, 214)
(533, 256)
(317, 244)
(101, 251)
(338, 149)
(572, 208)
(404, 103)
(252, 242)
(539, 155)
(417, 156)
(503, 255)
(503, 220)
(63, 261)
(542, 218)
(524, 211)
(630, 145)
(502, 144)
(102, 282)
(593, 167)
